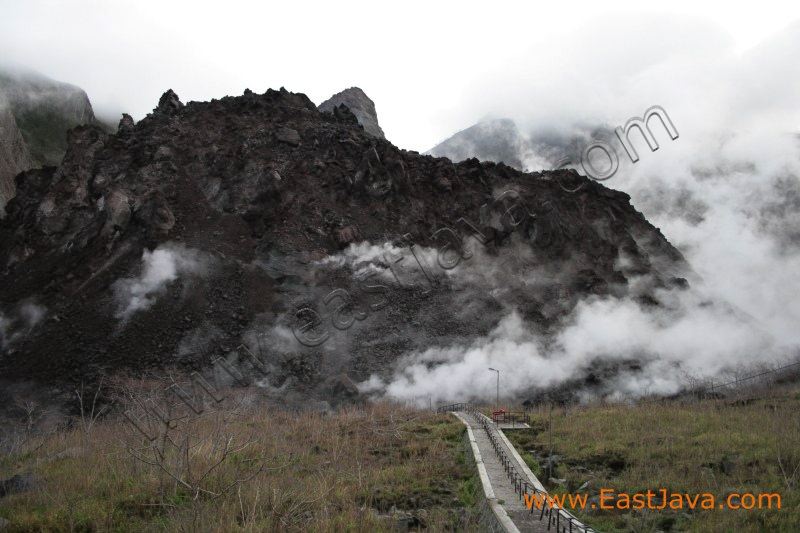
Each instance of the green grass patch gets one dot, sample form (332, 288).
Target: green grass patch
(714, 446)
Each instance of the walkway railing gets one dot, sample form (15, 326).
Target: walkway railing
(455, 407)
(513, 418)
(562, 520)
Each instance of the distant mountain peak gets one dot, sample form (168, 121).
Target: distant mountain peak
(497, 140)
(36, 113)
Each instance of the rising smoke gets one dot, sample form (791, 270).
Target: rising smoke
(20, 322)
(727, 194)
(159, 267)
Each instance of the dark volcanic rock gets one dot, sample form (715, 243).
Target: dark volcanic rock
(126, 124)
(168, 103)
(359, 104)
(252, 195)
(16, 483)
(288, 136)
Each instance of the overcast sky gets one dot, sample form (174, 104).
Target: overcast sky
(431, 67)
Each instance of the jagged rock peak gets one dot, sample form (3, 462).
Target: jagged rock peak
(168, 103)
(361, 106)
(125, 123)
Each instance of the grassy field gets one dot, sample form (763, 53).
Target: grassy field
(720, 446)
(242, 466)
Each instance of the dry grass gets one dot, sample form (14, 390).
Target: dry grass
(717, 446)
(242, 466)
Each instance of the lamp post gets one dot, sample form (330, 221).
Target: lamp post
(497, 397)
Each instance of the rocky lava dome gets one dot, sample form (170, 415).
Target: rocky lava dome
(213, 229)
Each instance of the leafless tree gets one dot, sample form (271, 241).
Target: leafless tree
(90, 413)
(205, 454)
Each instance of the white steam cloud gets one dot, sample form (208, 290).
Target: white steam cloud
(726, 193)
(21, 322)
(686, 337)
(159, 267)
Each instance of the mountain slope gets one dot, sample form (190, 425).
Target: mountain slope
(496, 140)
(14, 154)
(208, 226)
(43, 111)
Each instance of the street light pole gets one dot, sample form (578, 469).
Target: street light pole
(497, 397)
